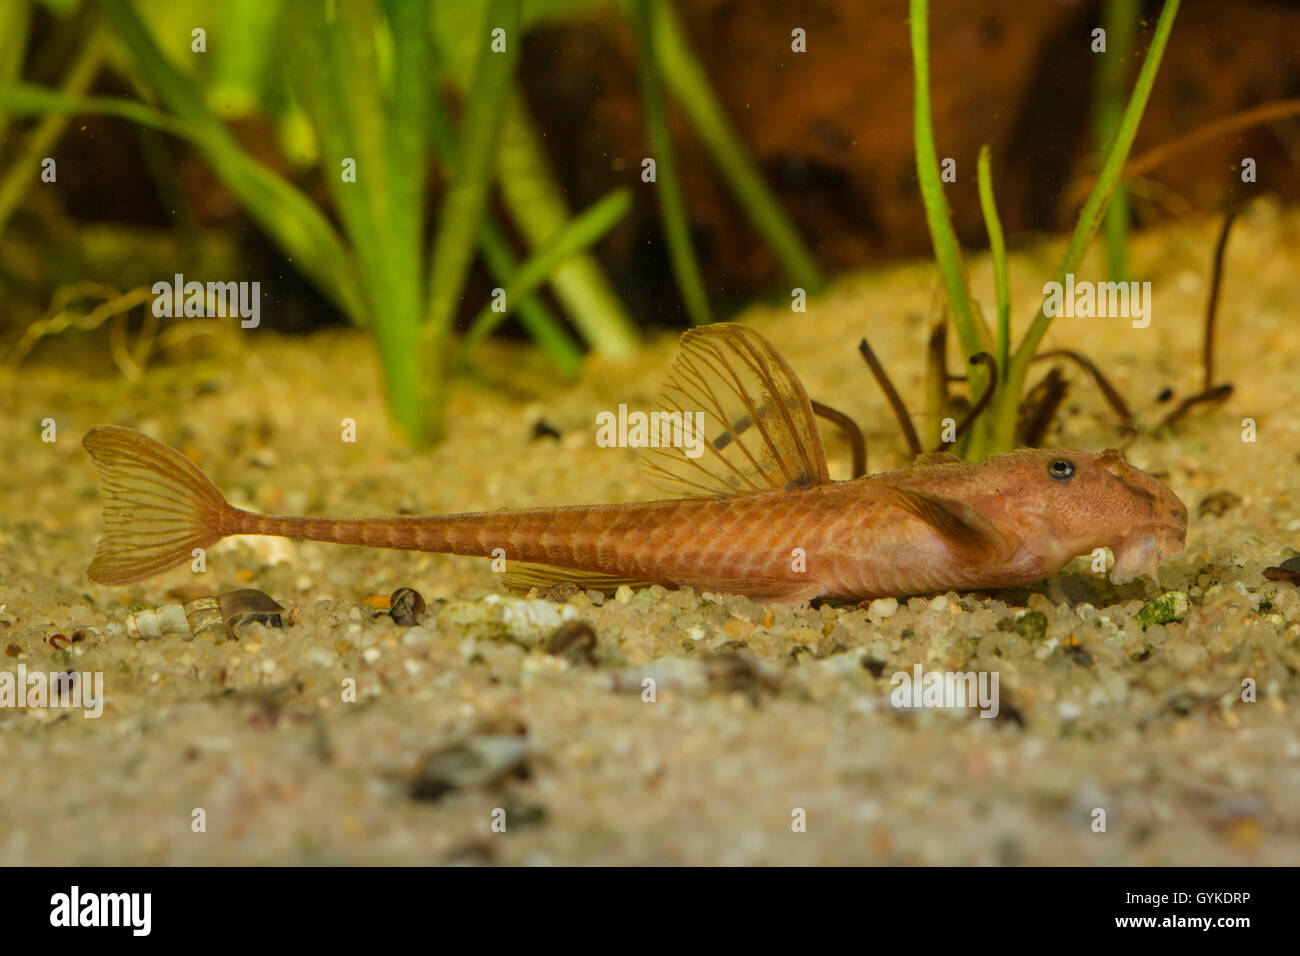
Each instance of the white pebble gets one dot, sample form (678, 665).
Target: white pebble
(417, 636)
(882, 608)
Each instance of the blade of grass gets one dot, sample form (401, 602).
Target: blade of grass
(545, 329)
(41, 140)
(936, 384)
(286, 215)
(947, 251)
(998, 249)
(582, 232)
(690, 85)
(471, 176)
(15, 18)
(1119, 19)
(536, 319)
(407, 152)
(1085, 229)
(240, 55)
(298, 224)
(339, 76)
(466, 198)
(313, 73)
(535, 202)
(668, 190)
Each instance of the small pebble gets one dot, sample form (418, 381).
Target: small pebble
(417, 636)
(1164, 609)
(1032, 625)
(1288, 570)
(476, 762)
(882, 608)
(575, 641)
(544, 429)
(1217, 502)
(560, 593)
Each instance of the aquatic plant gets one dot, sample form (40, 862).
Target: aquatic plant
(684, 76)
(993, 430)
(353, 87)
(363, 74)
(1119, 23)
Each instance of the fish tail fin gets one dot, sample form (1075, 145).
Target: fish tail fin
(158, 506)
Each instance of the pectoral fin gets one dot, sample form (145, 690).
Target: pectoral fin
(523, 576)
(956, 522)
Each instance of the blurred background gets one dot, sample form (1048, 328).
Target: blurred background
(501, 145)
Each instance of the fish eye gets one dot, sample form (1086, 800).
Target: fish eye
(1061, 469)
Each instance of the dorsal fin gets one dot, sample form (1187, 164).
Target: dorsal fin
(957, 522)
(759, 431)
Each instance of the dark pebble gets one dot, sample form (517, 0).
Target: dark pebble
(575, 641)
(1217, 502)
(1288, 570)
(544, 429)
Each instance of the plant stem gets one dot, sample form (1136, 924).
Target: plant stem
(546, 330)
(47, 132)
(471, 172)
(689, 83)
(947, 251)
(1119, 19)
(998, 249)
(537, 206)
(1085, 229)
(668, 187)
(578, 235)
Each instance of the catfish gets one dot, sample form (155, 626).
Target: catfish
(756, 513)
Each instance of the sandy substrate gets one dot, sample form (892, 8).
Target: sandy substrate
(759, 712)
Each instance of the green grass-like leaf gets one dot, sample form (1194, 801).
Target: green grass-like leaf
(285, 212)
(998, 250)
(947, 250)
(546, 330)
(1120, 19)
(668, 188)
(686, 78)
(1007, 401)
(537, 206)
(582, 232)
(996, 433)
(471, 172)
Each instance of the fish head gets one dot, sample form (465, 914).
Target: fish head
(1070, 502)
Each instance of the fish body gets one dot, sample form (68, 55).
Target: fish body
(762, 517)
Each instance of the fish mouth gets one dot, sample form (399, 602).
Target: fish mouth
(1141, 551)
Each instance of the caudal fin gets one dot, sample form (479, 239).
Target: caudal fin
(158, 506)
